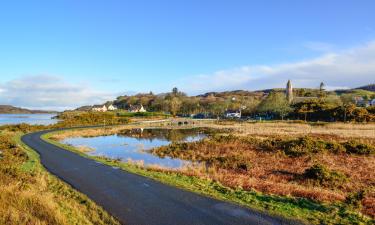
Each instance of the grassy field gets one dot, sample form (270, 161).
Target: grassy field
(318, 173)
(30, 195)
(298, 129)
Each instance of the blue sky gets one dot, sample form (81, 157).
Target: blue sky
(90, 51)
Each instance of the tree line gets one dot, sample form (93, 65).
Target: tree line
(312, 105)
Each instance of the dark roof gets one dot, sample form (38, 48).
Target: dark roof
(107, 104)
(84, 108)
(135, 107)
(97, 106)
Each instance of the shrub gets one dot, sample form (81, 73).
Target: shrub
(324, 176)
(141, 114)
(355, 147)
(302, 146)
(223, 138)
(22, 127)
(68, 119)
(306, 145)
(235, 162)
(269, 144)
(334, 147)
(355, 198)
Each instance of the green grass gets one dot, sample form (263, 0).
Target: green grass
(363, 93)
(33, 162)
(301, 209)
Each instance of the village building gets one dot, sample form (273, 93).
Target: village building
(111, 107)
(99, 108)
(104, 107)
(358, 100)
(137, 108)
(362, 102)
(84, 108)
(233, 114)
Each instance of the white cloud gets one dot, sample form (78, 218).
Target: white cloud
(337, 69)
(347, 68)
(49, 92)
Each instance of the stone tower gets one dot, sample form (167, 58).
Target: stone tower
(289, 91)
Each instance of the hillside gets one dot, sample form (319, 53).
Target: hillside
(370, 87)
(8, 109)
(215, 103)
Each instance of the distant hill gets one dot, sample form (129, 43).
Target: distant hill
(8, 109)
(156, 102)
(84, 108)
(370, 87)
(232, 93)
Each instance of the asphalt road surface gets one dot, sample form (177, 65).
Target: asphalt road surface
(137, 200)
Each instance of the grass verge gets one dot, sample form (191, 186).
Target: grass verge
(308, 211)
(31, 195)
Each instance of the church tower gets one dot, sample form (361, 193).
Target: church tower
(289, 91)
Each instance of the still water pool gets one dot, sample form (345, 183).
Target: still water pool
(133, 144)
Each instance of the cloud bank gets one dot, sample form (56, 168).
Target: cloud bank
(49, 92)
(342, 69)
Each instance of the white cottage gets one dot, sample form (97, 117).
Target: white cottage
(99, 108)
(233, 114)
(136, 108)
(111, 107)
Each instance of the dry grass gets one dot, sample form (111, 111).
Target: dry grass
(327, 131)
(29, 195)
(84, 148)
(88, 132)
(28, 206)
(273, 172)
(344, 130)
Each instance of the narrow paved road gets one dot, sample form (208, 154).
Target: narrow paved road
(134, 199)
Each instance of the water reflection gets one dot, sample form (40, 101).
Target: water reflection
(170, 135)
(133, 144)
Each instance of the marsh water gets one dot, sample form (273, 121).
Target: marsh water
(133, 145)
(32, 119)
